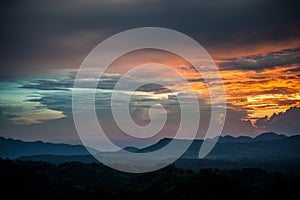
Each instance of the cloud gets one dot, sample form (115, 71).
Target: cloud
(234, 125)
(38, 36)
(48, 84)
(296, 69)
(43, 35)
(261, 62)
(283, 122)
(156, 88)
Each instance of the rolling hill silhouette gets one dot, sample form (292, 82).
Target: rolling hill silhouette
(10, 148)
(266, 150)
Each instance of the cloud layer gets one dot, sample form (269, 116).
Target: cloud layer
(42, 35)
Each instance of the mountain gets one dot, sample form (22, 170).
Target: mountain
(259, 149)
(269, 136)
(10, 148)
(131, 149)
(241, 139)
(228, 138)
(57, 159)
(268, 151)
(267, 146)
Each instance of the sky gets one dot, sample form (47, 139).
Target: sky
(255, 44)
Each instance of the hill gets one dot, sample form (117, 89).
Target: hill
(265, 146)
(12, 149)
(268, 151)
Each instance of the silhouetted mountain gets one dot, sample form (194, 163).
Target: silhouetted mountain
(57, 159)
(259, 149)
(131, 149)
(228, 138)
(268, 151)
(241, 139)
(160, 144)
(265, 147)
(269, 136)
(10, 148)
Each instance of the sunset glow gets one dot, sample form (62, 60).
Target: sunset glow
(255, 46)
(263, 93)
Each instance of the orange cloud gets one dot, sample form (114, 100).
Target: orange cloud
(260, 93)
(263, 93)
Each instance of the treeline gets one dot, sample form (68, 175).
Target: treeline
(75, 180)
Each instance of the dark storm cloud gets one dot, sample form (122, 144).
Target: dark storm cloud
(39, 35)
(260, 62)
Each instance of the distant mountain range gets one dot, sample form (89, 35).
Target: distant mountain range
(267, 146)
(10, 148)
(262, 137)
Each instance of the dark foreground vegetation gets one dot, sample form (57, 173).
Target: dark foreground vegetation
(75, 180)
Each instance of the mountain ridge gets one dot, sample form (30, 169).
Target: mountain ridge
(268, 136)
(227, 145)
(11, 148)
